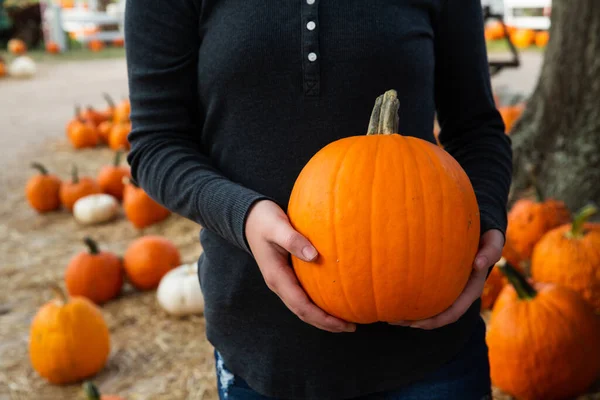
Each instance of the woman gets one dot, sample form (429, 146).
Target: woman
(230, 99)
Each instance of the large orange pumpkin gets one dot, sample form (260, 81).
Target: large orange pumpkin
(42, 190)
(148, 259)
(140, 209)
(543, 340)
(529, 220)
(570, 256)
(95, 274)
(69, 340)
(392, 245)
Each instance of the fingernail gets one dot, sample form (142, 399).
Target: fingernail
(309, 252)
(349, 328)
(481, 262)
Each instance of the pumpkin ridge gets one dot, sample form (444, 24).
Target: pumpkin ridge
(371, 217)
(335, 236)
(440, 185)
(415, 147)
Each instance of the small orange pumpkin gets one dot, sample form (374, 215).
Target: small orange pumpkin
(542, 38)
(494, 31)
(492, 288)
(109, 112)
(94, 116)
(17, 47)
(110, 178)
(376, 268)
(122, 112)
(148, 259)
(542, 339)
(529, 220)
(92, 393)
(570, 256)
(68, 340)
(118, 42)
(52, 47)
(140, 209)
(42, 190)
(117, 138)
(96, 45)
(73, 121)
(104, 130)
(523, 38)
(76, 188)
(3, 69)
(94, 274)
(83, 134)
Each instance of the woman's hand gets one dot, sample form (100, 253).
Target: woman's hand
(271, 239)
(490, 251)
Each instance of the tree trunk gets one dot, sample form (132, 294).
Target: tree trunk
(558, 136)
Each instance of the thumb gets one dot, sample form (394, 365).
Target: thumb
(490, 251)
(293, 242)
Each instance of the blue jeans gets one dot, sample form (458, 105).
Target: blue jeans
(466, 377)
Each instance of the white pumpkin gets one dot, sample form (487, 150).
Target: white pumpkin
(95, 209)
(179, 291)
(22, 67)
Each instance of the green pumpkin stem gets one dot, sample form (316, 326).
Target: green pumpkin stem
(91, 244)
(577, 228)
(40, 168)
(59, 293)
(384, 117)
(118, 156)
(523, 288)
(109, 100)
(91, 391)
(74, 174)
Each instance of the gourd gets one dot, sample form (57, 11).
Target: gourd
(179, 291)
(92, 393)
(395, 221)
(529, 220)
(104, 130)
(542, 339)
(542, 38)
(42, 190)
(140, 209)
(148, 258)
(96, 45)
(94, 274)
(95, 209)
(523, 38)
(52, 47)
(122, 112)
(22, 67)
(76, 188)
(570, 256)
(110, 177)
(69, 340)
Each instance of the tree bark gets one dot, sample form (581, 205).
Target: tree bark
(558, 135)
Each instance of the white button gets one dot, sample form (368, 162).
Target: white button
(311, 25)
(312, 56)
(310, 1)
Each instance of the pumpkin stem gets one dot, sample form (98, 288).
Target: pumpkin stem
(59, 293)
(580, 220)
(523, 288)
(384, 117)
(40, 168)
(91, 391)
(118, 156)
(91, 244)
(74, 174)
(109, 100)
(77, 111)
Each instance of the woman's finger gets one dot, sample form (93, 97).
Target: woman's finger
(285, 236)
